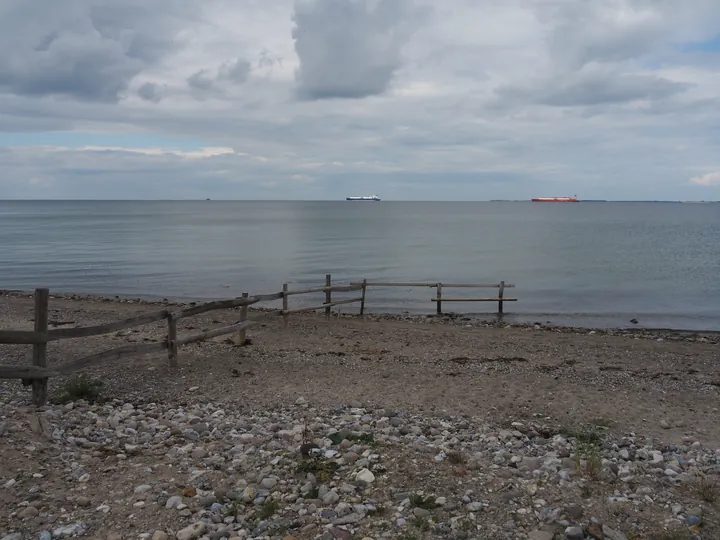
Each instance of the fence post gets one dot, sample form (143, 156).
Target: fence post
(500, 296)
(439, 298)
(362, 302)
(285, 304)
(241, 337)
(172, 340)
(39, 386)
(328, 295)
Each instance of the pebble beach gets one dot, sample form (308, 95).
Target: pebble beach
(382, 428)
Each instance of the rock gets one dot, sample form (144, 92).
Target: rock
(575, 512)
(173, 502)
(142, 489)
(365, 476)
(160, 535)
(114, 536)
(540, 535)
(331, 498)
(574, 533)
(82, 501)
(269, 483)
(29, 512)
(530, 464)
(693, 521)
(611, 534)
(595, 531)
(664, 424)
(45, 535)
(421, 512)
(74, 529)
(474, 506)
(350, 457)
(12, 536)
(347, 520)
(192, 532)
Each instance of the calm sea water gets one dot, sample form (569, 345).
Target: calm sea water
(587, 264)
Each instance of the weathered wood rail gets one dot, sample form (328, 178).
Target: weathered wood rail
(38, 373)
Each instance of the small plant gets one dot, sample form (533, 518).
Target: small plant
(601, 422)
(379, 511)
(421, 524)
(419, 501)
(706, 489)
(323, 470)
(79, 387)
(314, 493)
(362, 438)
(268, 510)
(456, 458)
(465, 525)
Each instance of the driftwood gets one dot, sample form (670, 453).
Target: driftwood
(26, 372)
(323, 306)
(66, 333)
(434, 284)
(333, 288)
(216, 332)
(113, 354)
(22, 337)
(226, 304)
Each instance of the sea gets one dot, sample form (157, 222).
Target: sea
(590, 264)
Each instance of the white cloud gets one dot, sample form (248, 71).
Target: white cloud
(464, 98)
(710, 179)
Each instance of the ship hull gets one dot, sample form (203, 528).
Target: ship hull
(555, 199)
(362, 198)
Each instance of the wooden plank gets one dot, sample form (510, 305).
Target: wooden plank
(434, 284)
(285, 304)
(241, 336)
(328, 295)
(227, 304)
(362, 301)
(26, 372)
(321, 306)
(334, 288)
(172, 341)
(21, 337)
(138, 349)
(501, 292)
(202, 336)
(438, 300)
(39, 359)
(68, 333)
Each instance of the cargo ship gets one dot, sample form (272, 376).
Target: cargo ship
(370, 198)
(555, 199)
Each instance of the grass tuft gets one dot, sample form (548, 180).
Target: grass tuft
(268, 510)
(77, 388)
(419, 501)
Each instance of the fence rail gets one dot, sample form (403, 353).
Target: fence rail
(37, 373)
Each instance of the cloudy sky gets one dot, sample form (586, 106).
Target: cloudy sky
(319, 99)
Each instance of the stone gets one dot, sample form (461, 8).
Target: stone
(611, 534)
(664, 424)
(160, 535)
(114, 536)
(365, 476)
(192, 532)
(595, 531)
(530, 464)
(268, 483)
(73, 529)
(421, 512)
(540, 535)
(347, 520)
(142, 489)
(173, 502)
(12, 536)
(331, 498)
(474, 506)
(82, 501)
(574, 533)
(575, 512)
(29, 512)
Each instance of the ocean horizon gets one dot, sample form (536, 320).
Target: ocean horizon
(588, 265)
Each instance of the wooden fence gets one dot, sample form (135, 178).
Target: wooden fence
(38, 372)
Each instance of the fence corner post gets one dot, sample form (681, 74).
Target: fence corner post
(501, 291)
(285, 304)
(39, 386)
(362, 301)
(328, 295)
(240, 337)
(439, 298)
(172, 340)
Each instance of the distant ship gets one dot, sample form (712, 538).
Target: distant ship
(370, 198)
(555, 199)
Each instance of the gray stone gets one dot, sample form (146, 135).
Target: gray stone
(160, 535)
(396, 422)
(74, 529)
(347, 520)
(82, 501)
(142, 489)
(575, 512)
(192, 532)
(45, 535)
(269, 483)
(28, 512)
(421, 512)
(530, 463)
(611, 534)
(12, 536)
(331, 498)
(474, 506)
(173, 502)
(574, 533)
(540, 535)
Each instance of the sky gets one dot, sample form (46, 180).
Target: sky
(323, 99)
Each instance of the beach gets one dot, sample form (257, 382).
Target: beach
(660, 389)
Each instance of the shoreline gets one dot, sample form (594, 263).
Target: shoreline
(455, 319)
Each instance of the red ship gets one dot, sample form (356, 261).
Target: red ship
(556, 199)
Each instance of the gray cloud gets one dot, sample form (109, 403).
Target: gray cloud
(593, 87)
(201, 80)
(150, 92)
(237, 71)
(86, 50)
(350, 49)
